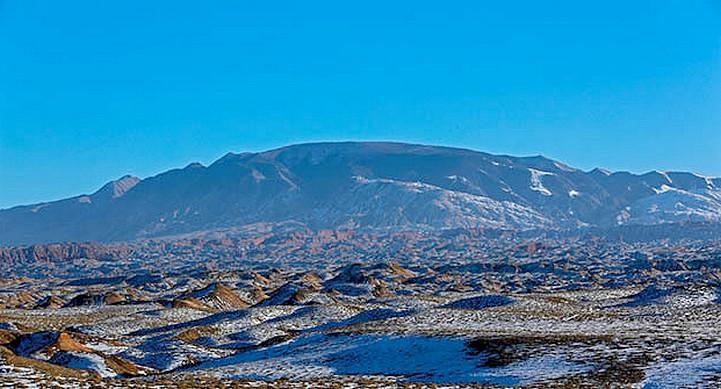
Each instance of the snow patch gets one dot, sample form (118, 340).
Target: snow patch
(687, 372)
(458, 178)
(663, 189)
(709, 181)
(536, 182)
(676, 205)
(623, 216)
(438, 360)
(563, 167)
(480, 302)
(665, 175)
(83, 361)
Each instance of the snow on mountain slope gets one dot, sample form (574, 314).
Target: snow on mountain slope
(387, 203)
(404, 186)
(670, 205)
(537, 183)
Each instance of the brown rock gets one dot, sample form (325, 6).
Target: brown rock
(7, 337)
(399, 271)
(111, 298)
(257, 295)
(50, 302)
(190, 303)
(65, 342)
(222, 297)
(122, 366)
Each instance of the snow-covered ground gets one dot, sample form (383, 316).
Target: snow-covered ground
(438, 360)
(551, 315)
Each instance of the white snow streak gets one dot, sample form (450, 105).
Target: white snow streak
(537, 184)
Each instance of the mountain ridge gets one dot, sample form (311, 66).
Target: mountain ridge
(375, 185)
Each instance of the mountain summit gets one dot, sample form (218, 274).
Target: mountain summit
(367, 185)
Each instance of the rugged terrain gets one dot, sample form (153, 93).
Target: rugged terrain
(367, 265)
(368, 186)
(326, 309)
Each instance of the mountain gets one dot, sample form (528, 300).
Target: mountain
(373, 185)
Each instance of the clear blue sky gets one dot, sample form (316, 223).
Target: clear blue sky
(92, 90)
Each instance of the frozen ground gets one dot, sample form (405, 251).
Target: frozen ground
(438, 360)
(540, 320)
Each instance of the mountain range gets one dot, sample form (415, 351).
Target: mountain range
(367, 185)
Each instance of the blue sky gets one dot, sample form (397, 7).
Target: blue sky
(92, 90)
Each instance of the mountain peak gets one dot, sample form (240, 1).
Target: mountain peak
(117, 188)
(599, 171)
(229, 157)
(194, 165)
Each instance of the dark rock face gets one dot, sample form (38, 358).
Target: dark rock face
(61, 252)
(367, 185)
